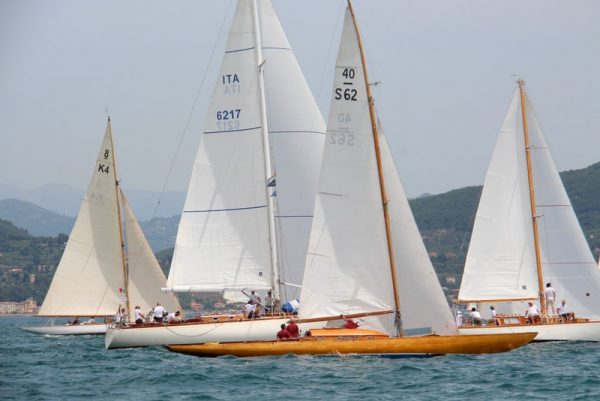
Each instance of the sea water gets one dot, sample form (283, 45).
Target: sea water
(38, 367)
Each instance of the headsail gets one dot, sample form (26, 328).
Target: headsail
(567, 260)
(145, 276)
(297, 133)
(89, 278)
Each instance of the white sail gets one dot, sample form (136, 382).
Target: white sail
(223, 243)
(348, 268)
(89, 278)
(145, 275)
(567, 261)
(500, 263)
(223, 237)
(297, 133)
(422, 302)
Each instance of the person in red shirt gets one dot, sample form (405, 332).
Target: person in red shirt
(293, 329)
(350, 324)
(283, 334)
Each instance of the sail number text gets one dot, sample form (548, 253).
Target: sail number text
(346, 93)
(228, 119)
(103, 168)
(341, 139)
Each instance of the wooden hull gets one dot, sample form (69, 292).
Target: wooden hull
(202, 332)
(578, 331)
(62, 330)
(390, 347)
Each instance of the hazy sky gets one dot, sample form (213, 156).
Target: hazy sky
(446, 69)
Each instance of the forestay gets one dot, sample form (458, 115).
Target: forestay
(90, 275)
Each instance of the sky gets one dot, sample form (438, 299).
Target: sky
(447, 71)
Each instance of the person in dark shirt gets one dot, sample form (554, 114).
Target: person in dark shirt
(283, 334)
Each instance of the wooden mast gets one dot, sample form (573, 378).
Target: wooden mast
(123, 257)
(536, 238)
(275, 280)
(384, 198)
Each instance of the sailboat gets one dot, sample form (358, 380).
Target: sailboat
(366, 257)
(247, 215)
(527, 235)
(107, 262)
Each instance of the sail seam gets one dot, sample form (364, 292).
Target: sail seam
(228, 131)
(239, 50)
(225, 210)
(296, 132)
(289, 216)
(276, 48)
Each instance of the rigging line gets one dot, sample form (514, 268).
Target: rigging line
(189, 117)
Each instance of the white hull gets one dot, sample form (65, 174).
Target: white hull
(196, 333)
(585, 331)
(79, 329)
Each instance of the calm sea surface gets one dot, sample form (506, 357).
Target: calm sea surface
(34, 367)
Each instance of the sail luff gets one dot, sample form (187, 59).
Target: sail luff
(536, 239)
(121, 237)
(267, 154)
(384, 198)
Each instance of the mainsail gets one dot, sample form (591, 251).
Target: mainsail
(501, 262)
(224, 241)
(89, 279)
(348, 264)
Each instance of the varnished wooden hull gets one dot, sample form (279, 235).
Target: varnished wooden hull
(405, 346)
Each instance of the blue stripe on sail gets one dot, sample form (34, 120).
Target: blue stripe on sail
(240, 50)
(231, 130)
(297, 132)
(225, 210)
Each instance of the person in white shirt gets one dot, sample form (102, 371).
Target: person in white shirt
(563, 312)
(493, 317)
(532, 314)
(250, 309)
(159, 312)
(174, 317)
(121, 317)
(550, 296)
(139, 316)
(475, 317)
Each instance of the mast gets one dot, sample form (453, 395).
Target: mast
(267, 154)
(536, 239)
(384, 198)
(117, 189)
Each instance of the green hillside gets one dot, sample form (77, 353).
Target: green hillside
(445, 221)
(35, 219)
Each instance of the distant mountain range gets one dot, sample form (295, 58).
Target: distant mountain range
(66, 200)
(445, 220)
